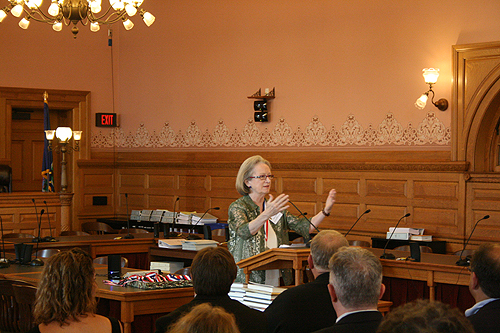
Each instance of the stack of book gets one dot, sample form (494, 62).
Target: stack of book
(198, 244)
(166, 266)
(237, 291)
(207, 218)
(259, 296)
(170, 243)
(403, 233)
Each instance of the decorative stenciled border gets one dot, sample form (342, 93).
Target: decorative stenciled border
(430, 132)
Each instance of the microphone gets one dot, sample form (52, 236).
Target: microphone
(172, 234)
(366, 212)
(465, 261)
(39, 220)
(128, 236)
(4, 262)
(36, 261)
(193, 236)
(390, 255)
(48, 238)
(36, 239)
(304, 214)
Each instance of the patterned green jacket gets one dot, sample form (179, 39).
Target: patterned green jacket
(242, 244)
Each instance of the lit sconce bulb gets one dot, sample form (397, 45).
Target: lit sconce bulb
(131, 10)
(77, 135)
(57, 26)
(64, 133)
(17, 10)
(94, 27)
(117, 4)
(33, 4)
(128, 24)
(95, 7)
(49, 134)
(422, 101)
(53, 9)
(148, 18)
(24, 23)
(2, 15)
(430, 75)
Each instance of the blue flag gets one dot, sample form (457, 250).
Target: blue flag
(47, 166)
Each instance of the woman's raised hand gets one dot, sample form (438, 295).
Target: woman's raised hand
(276, 205)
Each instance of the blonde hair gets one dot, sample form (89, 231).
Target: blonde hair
(246, 170)
(205, 318)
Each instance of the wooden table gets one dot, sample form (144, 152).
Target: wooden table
(133, 301)
(433, 268)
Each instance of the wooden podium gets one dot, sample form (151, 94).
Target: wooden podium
(295, 258)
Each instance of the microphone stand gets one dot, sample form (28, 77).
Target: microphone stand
(192, 235)
(4, 262)
(366, 212)
(390, 255)
(308, 243)
(36, 261)
(39, 220)
(48, 238)
(464, 261)
(128, 236)
(173, 234)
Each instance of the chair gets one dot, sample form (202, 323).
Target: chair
(360, 243)
(46, 253)
(5, 179)
(134, 231)
(25, 296)
(466, 253)
(18, 235)
(423, 248)
(184, 271)
(98, 228)
(74, 233)
(104, 261)
(9, 309)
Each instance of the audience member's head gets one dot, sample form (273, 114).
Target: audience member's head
(205, 318)
(67, 288)
(424, 316)
(485, 268)
(324, 245)
(355, 279)
(213, 271)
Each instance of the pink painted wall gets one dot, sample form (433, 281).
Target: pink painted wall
(201, 59)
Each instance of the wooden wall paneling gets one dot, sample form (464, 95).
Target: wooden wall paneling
(484, 199)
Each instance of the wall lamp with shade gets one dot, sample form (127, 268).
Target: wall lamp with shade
(63, 135)
(431, 75)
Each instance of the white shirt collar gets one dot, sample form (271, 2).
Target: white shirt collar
(478, 305)
(351, 312)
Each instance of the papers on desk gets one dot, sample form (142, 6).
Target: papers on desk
(170, 243)
(292, 246)
(198, 244)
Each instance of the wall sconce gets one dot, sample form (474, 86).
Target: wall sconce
(63, 134)
(431, 75)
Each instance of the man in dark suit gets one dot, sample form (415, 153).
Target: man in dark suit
(213, 271)
(484, 285)
(293, 309)
(355, 288)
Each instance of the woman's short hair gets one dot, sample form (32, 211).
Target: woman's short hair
(213, 271)
(67, 288)
(207, 319)
(246, 169)
(425, 316)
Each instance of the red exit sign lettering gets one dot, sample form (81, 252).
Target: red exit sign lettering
(105, 119)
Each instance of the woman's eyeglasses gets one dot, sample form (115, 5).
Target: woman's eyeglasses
(263, 177)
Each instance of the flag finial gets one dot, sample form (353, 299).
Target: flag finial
(45, 97)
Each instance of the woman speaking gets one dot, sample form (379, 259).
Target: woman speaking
(257, 224)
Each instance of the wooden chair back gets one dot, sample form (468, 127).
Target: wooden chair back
(104, 261)
(9, 308)
(423, 248)
(98, 228)
(134, 231)
(74, 233)
(25, 297)
(360, 243)
(46, 253)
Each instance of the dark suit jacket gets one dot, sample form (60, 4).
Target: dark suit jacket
(247, 319)
(485, 320)
(359, 322)
(304, 308)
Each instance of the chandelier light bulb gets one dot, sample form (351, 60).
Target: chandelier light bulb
(24, 23)
(148, 18)
(117, 4)
(17, 10)
(33, 3)
(128, 24)
(94, 27)
(64, 133)
(57, 26)
(95, 7)
(2, 15)
(53, 9)
(131, 10)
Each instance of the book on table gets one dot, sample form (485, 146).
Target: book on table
(198, 244)
(264, 288)
(170, 243)
(422, 238)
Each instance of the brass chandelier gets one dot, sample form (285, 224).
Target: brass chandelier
(74, 11)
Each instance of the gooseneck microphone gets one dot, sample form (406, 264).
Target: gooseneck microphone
(192, 235)
(390, 255)
(36, 239)
(174, 217)
(304, 214)
(465, 261)
(48, 238)
(128, 236)
(4, 262)
(359, 218)
(36, 261)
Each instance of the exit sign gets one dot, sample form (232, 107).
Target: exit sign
(105, 119)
